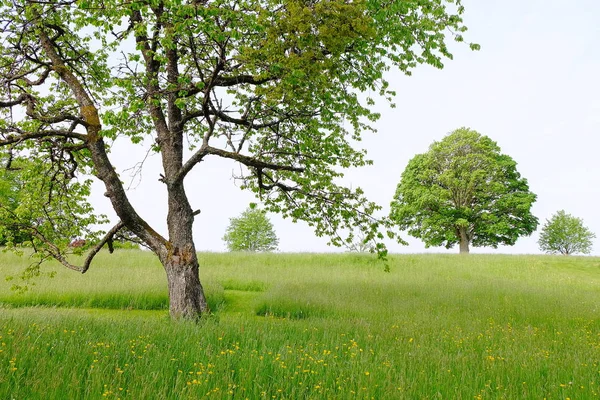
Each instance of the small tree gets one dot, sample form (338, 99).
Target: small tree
(565, 234)
(362, 244)
(464, 191)
(251, 231)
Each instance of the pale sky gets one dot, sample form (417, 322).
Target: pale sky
(534, 88)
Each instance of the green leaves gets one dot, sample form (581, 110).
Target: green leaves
(43, 206)
(565, 234)
(273, 83)
(251, 231)
(464, 184)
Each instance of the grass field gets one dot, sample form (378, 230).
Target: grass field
(308, 326)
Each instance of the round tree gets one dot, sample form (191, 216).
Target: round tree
(464, 191)
(251, 231)
(565, 234)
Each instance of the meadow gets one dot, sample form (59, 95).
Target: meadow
(307, 326)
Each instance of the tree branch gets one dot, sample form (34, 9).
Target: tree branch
(241, 158)
(225, 118)
(106, 239)
(55, 251)
(252, 161)
(40, 80)
(57, 254)
(87, 107)
(244, 122)
(23, 98)
(21, 136)
(54, 119)
(225, 81)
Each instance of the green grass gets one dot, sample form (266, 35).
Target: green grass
(308, 326)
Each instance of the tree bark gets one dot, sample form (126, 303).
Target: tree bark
(186, 294)
(464, 241)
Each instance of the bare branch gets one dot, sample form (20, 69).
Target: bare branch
(226, 81)
(40, 80)
(275, 184)
(188, 116)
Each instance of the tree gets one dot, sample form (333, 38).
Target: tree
(271, 85)
(464, 191)
(565, 234)
(39, 198)
(360, 245)
(251, 231)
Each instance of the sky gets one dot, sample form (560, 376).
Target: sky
(534, 88)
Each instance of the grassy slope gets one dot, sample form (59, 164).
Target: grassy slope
(437, 326)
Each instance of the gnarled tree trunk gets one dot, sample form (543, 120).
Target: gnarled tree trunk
(186, 295)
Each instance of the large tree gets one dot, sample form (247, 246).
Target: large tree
(464, 191)
(271, 84)
(566, 234)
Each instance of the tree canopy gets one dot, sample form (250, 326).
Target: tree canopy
(565, 234)
(464, 191)
(10, 187)
(271, 84)
(251, 231)
(39, 201)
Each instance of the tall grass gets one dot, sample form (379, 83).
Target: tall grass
(309, 326)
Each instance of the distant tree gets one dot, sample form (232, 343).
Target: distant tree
(464, 191)
(251, 231)
(565, 234)
(361, 244)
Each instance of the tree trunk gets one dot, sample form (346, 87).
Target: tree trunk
(186, 295)
(464, 241)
